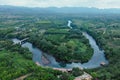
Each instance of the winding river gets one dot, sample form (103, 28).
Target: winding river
(94, 62)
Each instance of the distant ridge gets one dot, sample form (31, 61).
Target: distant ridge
(16, 9)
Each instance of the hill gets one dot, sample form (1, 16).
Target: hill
(75, 10)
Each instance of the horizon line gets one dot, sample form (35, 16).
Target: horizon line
(58, 7)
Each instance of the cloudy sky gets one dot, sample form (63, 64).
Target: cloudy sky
(63, 3)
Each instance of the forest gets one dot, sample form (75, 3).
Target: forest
(106, 33)
(51, 34)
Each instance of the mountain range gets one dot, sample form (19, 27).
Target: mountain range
(77, 10)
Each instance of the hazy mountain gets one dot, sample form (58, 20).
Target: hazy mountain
(15, 9)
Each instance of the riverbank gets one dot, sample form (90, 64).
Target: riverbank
(95, 61)
(65, 45)
(84, 76)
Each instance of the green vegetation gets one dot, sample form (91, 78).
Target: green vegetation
(77, 72)
(14, 65)
(51, 34)
(55, 38)
(65, 44)
(106, 33)
(17, 61)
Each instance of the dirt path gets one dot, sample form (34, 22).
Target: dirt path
(23, 77)
(62, 69)
(85, 76)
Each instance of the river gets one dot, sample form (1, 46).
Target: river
(94, 62)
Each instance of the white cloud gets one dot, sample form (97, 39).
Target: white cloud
(63, 3)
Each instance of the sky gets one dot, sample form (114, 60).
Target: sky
(63, 3)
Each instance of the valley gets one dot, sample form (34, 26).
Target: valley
(93, 44)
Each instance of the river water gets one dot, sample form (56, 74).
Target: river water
(94, 62)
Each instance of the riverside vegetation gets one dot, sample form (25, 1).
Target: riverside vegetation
(51, 34)
(56, 39)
